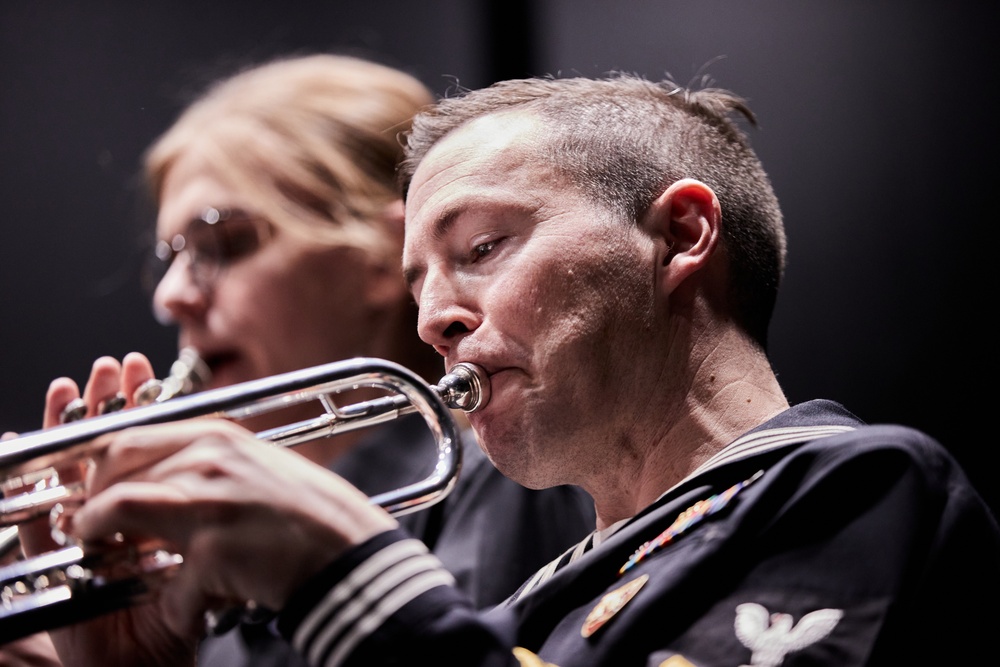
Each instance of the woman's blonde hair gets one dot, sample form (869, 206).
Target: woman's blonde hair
(312, 141)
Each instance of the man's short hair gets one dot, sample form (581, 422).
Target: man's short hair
(623, 140)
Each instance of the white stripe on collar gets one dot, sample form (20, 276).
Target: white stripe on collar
(745, 446)
(767, 440)
(749, 445)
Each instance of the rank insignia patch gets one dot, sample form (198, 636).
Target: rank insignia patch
(611, 604)
(528, 659)
(676, 661)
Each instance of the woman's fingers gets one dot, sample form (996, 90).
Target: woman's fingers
(103, 385)
(109, 388)
(136, 370)
(61, 392)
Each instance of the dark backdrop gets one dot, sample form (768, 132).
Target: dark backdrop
(876, 124)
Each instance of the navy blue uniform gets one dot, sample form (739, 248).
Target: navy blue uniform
(812, 540)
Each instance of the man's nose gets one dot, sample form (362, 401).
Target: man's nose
(448, 311)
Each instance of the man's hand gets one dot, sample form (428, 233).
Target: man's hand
(252, 521)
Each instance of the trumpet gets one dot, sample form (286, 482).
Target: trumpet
(73, 583)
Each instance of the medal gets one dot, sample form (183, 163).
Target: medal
(610, 605)
(686, 519)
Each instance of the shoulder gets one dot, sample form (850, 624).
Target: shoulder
(885, 481)
(819, 447)
(820, 437)
(874, 451)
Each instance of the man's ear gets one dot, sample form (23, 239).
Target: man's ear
(684, 222)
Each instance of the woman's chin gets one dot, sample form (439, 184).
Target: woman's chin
(229, 371)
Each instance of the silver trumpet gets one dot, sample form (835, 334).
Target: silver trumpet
(73, 583)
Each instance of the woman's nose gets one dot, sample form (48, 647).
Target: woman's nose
(178, 295)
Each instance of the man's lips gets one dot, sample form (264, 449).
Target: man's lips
(495, 374)
(489, 369)
(498, 371)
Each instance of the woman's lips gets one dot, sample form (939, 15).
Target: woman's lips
(219, 364)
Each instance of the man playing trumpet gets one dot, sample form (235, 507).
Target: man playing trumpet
(609, 251)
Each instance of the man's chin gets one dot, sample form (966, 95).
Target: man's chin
(515, 464)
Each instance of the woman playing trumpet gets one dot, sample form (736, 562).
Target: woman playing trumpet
(279, 229)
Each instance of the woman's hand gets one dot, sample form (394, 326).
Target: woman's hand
(140, 637)
(108, 379)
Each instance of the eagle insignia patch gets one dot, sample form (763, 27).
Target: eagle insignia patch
(770, 637)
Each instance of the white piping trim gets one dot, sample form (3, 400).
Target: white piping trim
(745, 446)
(388, 606)
(379, 565)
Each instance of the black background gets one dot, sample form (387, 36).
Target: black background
(877, 125)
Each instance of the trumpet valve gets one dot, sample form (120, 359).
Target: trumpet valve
(188, 374)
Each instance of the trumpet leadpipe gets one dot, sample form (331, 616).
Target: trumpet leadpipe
(465, 387)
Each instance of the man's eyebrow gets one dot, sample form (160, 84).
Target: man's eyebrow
(439, 229)
(444, 223)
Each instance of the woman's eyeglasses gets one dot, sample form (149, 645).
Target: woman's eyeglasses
(213, 241)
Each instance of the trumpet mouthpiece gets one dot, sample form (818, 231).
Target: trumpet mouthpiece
(466, 387)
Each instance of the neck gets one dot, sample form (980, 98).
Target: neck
(724, 391)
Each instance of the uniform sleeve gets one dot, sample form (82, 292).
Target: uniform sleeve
(390, 602)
